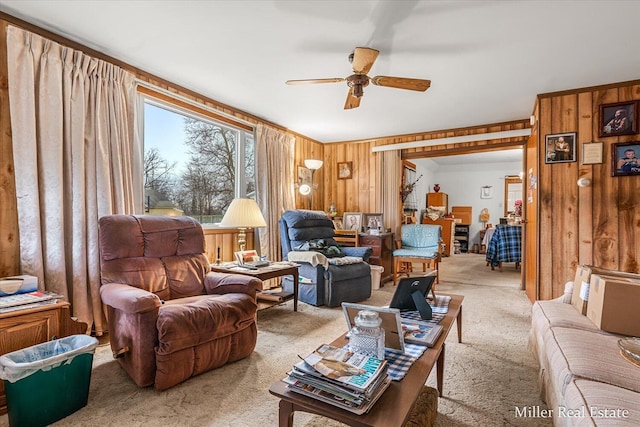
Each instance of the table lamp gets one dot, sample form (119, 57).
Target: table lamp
(243, 214)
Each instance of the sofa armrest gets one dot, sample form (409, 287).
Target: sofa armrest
(224, 283)
(129, 299)
(363, 252)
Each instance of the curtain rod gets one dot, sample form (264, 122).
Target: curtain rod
(454, 139)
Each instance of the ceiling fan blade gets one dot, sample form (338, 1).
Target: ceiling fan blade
(363, 59)
(402, 83)
(352, 101)
(313, 81)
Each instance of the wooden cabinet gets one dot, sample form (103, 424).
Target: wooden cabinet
(382, 246)
(438, 199)
(24, 328)
(447, 225)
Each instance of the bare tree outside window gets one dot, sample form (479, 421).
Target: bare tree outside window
(203, 183)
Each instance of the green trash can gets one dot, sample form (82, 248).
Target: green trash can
(47, 382)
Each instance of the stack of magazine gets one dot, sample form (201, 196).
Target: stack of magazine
(341, 378)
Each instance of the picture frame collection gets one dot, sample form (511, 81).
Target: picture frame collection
(615, 119)
(360, 221)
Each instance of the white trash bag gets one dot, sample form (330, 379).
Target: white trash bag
(22, 363)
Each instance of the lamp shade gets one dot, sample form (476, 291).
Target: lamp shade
(243, 213)
(313, 164)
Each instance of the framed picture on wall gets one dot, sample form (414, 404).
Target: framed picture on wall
(345, 170)
(625, 158)
(560, 148)
(352, 221)
(618, 119)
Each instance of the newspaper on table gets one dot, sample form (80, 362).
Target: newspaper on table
(354, 370)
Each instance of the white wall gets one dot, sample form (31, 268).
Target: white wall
(463, 183)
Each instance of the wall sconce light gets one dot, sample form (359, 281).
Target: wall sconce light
(584, 182)
(304, 189)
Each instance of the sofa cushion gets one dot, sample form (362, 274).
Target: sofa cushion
(306, 234)
(305, 218)
(144, 273)
(554, 313)
(428, 252)
(188, 322)
(579, 353)
(186, 274)
(590, 403)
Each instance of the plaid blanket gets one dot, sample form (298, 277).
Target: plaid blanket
(505, 245)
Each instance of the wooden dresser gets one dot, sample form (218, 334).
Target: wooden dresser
(448, 231)
(24, 328)
(382, 246)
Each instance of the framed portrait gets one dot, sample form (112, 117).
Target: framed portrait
(618, 119)
(345, 170)
(560, 148)
(625, 158)
(373, 221)
(352, 221)
(486, 192)
(304, 176)
(337, 224)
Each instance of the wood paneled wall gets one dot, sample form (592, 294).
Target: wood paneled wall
(227, 241)
(598, 224)
(362, 194)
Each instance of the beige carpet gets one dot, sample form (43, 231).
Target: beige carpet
(486, 376)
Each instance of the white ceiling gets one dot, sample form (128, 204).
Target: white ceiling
(487, 60)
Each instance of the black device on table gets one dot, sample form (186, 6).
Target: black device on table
(411, 295)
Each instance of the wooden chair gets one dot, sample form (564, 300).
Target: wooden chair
(419, 243)
(347, 237)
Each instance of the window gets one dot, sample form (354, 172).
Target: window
(194, 165)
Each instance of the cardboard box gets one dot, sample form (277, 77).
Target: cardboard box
(613, 304)
(462, 212)
(581, 284)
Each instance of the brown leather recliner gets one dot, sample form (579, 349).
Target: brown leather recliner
(170, 317)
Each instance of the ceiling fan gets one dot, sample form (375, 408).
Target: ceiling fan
(362, 60)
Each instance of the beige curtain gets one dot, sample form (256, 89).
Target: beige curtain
(274, 192)
(76, 158)
(391, 178)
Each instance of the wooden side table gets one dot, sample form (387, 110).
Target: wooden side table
(25, 328)
(264, 273)
(382, 246)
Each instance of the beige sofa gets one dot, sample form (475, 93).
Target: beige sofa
(583, 378)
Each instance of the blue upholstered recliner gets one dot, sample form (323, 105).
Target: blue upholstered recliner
(421, 243)
(330, 286)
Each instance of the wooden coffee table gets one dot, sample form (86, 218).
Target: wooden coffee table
(395, 404)
(264, 273)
